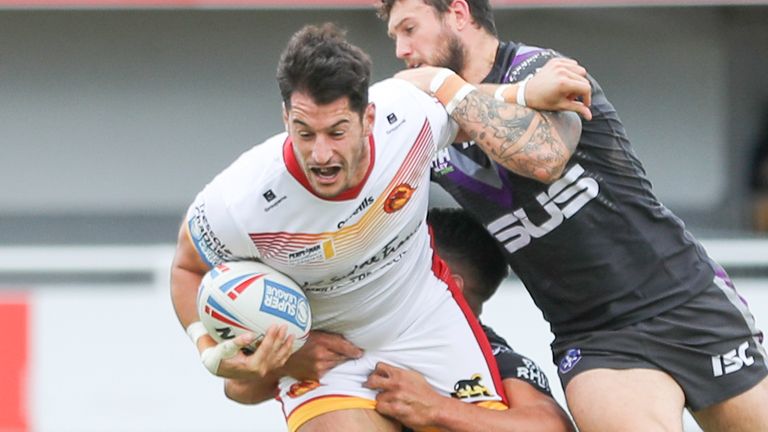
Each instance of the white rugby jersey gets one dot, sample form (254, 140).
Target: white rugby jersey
(364, 258)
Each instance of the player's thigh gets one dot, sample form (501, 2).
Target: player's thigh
(625, 400)
(745, 412)
(351, 420)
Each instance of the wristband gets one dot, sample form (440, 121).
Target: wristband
(499, 94)
(520, 100)
(439, 79)
(213, 356)
(195, 331)
(458, 97)
(452, 90)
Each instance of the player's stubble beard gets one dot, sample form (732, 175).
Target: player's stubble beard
(451, 55)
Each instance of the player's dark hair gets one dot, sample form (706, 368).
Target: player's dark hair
(460, 238)
(320, 62)
(479, 9)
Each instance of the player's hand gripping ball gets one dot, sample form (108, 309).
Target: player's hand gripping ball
(247, 296)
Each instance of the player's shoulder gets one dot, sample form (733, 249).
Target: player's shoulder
(403, 107)
(523, 60)
(393, 92)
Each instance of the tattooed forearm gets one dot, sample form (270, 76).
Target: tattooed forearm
(530, 143)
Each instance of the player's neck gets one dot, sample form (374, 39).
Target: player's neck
(481, 57)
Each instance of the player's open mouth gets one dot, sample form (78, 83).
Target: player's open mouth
(326, 174)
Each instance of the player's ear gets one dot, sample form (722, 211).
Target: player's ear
(369, 117)
(461, 14)
(285, 117)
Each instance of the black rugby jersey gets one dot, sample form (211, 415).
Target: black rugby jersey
(515, 366)
(595, 249)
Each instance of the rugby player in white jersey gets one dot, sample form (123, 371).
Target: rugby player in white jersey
(338, 203)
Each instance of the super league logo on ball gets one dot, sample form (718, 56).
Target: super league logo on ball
(283, 302)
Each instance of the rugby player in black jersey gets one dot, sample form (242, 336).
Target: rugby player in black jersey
(645, 322)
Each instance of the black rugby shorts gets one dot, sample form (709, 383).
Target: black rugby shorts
(709, 345)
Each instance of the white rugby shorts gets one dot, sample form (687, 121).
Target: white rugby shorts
(446, 345)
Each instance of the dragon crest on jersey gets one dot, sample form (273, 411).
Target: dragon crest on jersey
(398, 198)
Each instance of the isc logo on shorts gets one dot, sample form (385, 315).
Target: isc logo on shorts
(732, 361)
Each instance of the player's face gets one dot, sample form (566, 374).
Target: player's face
(330, 142)
(422, 37)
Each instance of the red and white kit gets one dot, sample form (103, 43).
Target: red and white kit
(363, 258)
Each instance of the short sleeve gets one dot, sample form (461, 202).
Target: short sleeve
(515, 366)
(444, 128)
(212, 229)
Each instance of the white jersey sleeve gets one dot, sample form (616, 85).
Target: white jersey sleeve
(213, 229)
(444, 128)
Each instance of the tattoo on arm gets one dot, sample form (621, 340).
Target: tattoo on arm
(528, 142)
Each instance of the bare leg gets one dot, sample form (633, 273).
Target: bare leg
(745, 412)
(626, 400)
(351, 420)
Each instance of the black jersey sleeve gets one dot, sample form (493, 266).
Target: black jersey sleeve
(515, 366)
(516, 61)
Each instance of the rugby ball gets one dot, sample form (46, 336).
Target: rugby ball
(247, 296)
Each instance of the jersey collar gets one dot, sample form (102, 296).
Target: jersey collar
(295, 170)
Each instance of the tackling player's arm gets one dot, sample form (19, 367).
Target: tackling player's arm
(531, 143)
(407, 397)
(560, 85)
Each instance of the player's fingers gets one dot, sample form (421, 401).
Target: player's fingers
(579, 89)
(585, 112)
(376, 381)
(571, 79)
(385, 369)
(586, 98)
(273, 339)
(229, 349)
(286, 348)
(383, 406)
(579, 78)
(339, 345)
(380, 376)
(212, 357)
(558, 62)
(576, 69)
(579, 108)
(281, 333)
(243, 340)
